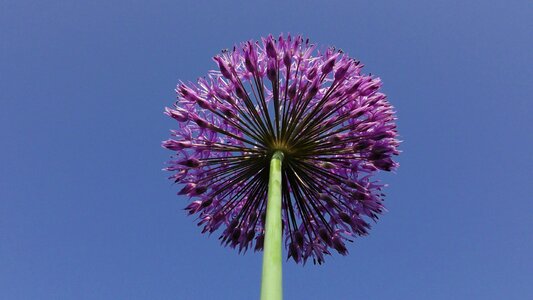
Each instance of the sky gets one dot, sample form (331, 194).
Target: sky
(87, 213)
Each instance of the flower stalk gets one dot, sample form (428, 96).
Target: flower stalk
(271, 283)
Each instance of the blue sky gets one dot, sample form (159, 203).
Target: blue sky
(87, 213)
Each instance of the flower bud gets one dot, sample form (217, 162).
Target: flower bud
(204, 104)
(345, 218)
(240, 92)
(369, 88)
(341, 71)
(287, 59)
(271, 70)
(176, 145)
(191, 163)
(313, 90)
(292, 90)
(178, 115)
(198, 190)
(259, 243)
(356, 85)
(187, 189)
(193, 207)
(312, 73)
(201, 122)
(294, 252)
(250, 61)
(299, 238)
(362, 145)
(324, 235)
(207, 202)
(223, 66)
(250, 235)
(338, 244)
(328, 65)
(271, 48)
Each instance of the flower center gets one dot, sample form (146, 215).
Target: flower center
(282, 147)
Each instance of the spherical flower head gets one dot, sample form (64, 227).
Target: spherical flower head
(330, 121)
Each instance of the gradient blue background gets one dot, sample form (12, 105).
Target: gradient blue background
(87, 213)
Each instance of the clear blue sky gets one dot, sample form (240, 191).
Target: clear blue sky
(87, 213)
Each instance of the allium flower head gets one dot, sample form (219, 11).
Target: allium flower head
(330, 121)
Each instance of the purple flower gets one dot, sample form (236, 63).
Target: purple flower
(329, 119)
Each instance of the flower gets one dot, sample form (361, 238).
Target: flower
(333, 125)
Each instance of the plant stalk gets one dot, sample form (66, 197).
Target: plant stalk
(271, 281)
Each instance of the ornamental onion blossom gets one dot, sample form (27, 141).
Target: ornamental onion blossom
(331, 122)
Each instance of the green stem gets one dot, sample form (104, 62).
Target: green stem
(271, 277)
